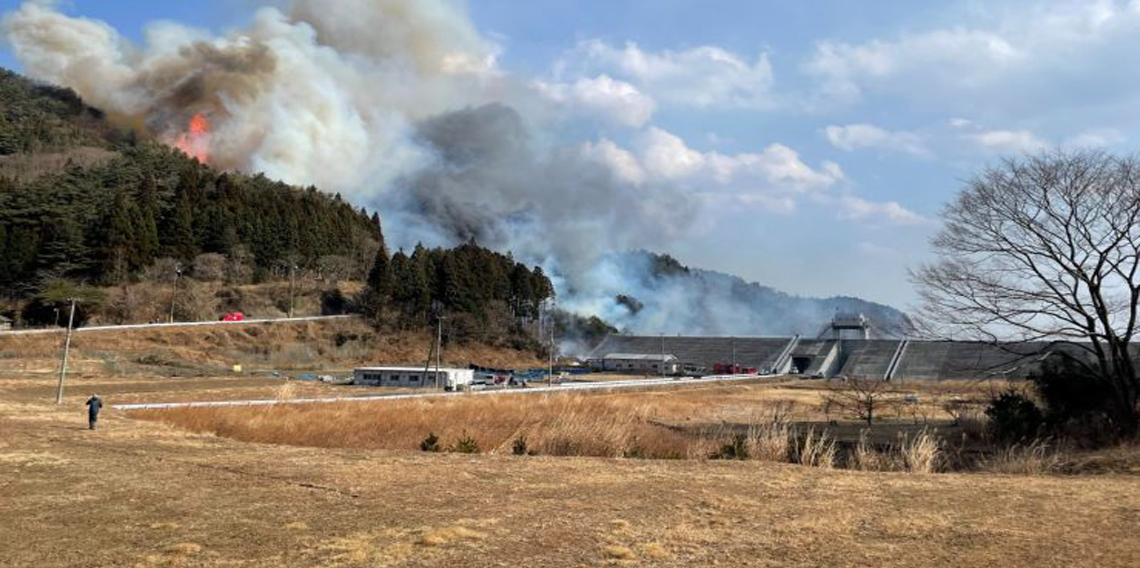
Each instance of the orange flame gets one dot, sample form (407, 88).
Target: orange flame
(195, 142)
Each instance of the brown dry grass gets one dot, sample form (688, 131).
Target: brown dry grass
(141, 493)
(335, 345)
(555, 424)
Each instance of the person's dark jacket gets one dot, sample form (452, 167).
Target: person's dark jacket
(94, 404)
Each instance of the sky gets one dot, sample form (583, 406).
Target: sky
(820, 139)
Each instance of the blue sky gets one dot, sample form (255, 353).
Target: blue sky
(821, 138)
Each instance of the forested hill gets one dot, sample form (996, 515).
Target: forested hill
(82, 200)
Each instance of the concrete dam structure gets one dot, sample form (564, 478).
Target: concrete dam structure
(856, 358)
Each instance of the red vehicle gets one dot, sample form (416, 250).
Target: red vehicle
(234, 316)
(730, 369)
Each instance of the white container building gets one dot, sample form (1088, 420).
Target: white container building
(415, 377)
(637, 362)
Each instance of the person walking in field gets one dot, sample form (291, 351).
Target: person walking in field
(94, 405)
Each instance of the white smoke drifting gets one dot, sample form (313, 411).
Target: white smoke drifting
(398, 105)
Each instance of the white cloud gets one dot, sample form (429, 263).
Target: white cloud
(963, 56)
(775, 179)
(856, 136)
(777, 167)
(1096, 138)
(701, 77)
(1022, 57)
(616, 100)
(1009, 141)
(859, 209)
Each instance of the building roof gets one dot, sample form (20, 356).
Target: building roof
(641, 356)
(413, 369)
(748, 351)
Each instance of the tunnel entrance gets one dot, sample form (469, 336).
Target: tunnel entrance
(800, 365)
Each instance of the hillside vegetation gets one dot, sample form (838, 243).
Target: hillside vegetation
(83, 201)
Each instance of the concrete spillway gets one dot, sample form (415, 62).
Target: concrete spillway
(854, 358)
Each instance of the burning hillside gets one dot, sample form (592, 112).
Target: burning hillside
(195, 140)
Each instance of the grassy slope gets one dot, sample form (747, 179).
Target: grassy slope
(141, 494)
(192, 352)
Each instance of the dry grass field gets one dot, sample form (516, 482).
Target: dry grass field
(335, 345)
(336, 485)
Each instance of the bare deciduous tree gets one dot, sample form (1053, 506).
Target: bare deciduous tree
(1045, 249)
(863, 398)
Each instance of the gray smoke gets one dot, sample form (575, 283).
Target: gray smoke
(398, 105)
(493, 183)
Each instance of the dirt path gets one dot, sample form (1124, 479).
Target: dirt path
(143, 494)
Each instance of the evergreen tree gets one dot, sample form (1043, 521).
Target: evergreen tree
(62, 251)
(146, 228)
(378, 293)
(119, 240)
(179, 241)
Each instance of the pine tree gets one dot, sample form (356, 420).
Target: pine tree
(180, 239)
(378, 294)
(145, 225)
(119, 241)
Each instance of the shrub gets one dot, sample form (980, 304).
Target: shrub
(1014, 417)
(465, 445)
(1076, 402)
(518, 447)
(735, 449)
(430, 444)
(334, 302)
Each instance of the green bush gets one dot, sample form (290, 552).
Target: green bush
(1014, 417)
(466, 445)
(431, 443)
(1077, 403)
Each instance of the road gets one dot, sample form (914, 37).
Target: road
(175, 324)
(606, 385)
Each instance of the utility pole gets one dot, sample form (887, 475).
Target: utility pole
(292, 283)
(174, 290)
(66, 348)
(734, 355)
(550, 324)
(662, 355)
(427, 363)
(439, 347)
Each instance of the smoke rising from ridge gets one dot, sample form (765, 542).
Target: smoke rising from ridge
(397, 105)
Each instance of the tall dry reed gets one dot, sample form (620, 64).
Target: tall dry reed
(770, 438)
(815, 449)
(921, 453)
(1035, 458)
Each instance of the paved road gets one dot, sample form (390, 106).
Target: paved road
(175, 324)
(601, 385)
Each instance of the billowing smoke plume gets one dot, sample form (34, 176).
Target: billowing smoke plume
(397, 105)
